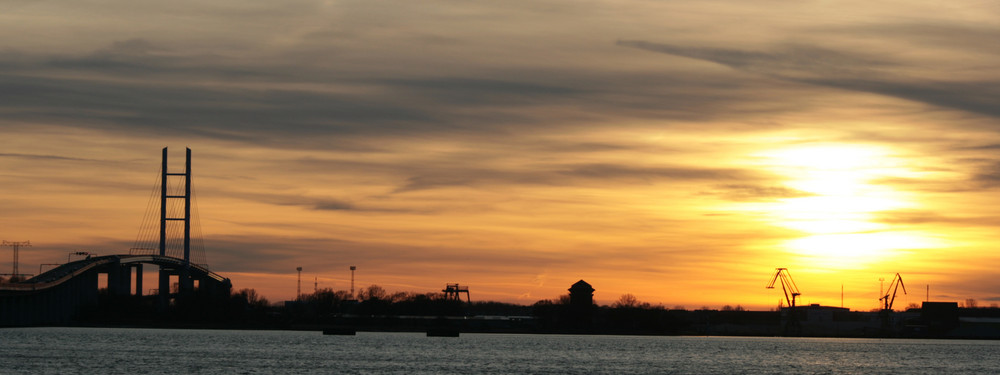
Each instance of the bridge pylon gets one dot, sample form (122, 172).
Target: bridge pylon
(185, 283)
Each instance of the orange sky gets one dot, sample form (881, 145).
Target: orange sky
(678, 151)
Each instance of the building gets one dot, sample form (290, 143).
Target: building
(581, 295)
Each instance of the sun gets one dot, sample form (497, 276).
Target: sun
(840, 191)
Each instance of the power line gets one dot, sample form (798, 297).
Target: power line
(16, 245)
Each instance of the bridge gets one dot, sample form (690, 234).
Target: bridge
(60, 295)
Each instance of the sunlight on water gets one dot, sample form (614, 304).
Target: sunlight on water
(96, 350)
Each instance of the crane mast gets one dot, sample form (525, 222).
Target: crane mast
(791, 291)
(887, 300)
(890, 293)
(788, 286)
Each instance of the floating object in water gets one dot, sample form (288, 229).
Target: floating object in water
(340, 331)
(442, 332)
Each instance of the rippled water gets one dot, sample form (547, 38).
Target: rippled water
(103, 350)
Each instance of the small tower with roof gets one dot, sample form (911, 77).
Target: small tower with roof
(581, 305)
(581, 295)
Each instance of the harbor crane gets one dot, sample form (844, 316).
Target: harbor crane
(890, 294)
(787, 285)
(791, 291)
(887, 300)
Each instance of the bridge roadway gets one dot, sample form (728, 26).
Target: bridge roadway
(60, 294)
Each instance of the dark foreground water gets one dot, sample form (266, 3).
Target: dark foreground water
(120, 351)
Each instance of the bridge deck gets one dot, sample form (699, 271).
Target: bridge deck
(69, 270)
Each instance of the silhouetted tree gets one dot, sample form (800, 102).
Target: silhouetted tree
(627, 300)
(253, 300)
(372, 292)
(429, 304)
(563, 299)
(327, 301)
(374, 301)
(730, 308)
(401, 296)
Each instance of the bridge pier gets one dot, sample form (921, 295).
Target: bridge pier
(138, 279)
(119, 279)
(163, 298)
(185, 283)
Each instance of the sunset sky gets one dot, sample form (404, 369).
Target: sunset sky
(679, 151)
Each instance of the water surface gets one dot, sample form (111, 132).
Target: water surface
(155, 351)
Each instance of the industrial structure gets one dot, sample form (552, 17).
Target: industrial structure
(890, 297)
(791, 292)
(452, 292)
(352, 281)
(298, 289)
(60, 294)
(16, 245)
(887, 299)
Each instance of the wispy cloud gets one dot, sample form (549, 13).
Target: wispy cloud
(848, 71)
(43, 157)
(755, 192)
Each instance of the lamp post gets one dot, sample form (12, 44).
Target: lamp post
(298, 291)
(352, 281)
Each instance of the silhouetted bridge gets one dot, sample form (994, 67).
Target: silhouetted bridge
(60, 294)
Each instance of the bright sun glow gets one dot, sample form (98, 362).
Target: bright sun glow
(839, 195)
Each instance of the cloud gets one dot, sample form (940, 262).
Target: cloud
(628, 173)
(922, 217)
(147, 87)
(975, 97)
(847, 71)
(602, 174)
(333, 205)
(264, 253)
(979, 39)
(988, 176)
(367, 204)
(484, 91)
(742, 193)
(787, 61)
(43, 157)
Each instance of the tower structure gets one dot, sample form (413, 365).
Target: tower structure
(581, 305)
(298, 290)
(352, 281)
(165, 196)
(184, 280)
(17, 246)
(581, 295)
